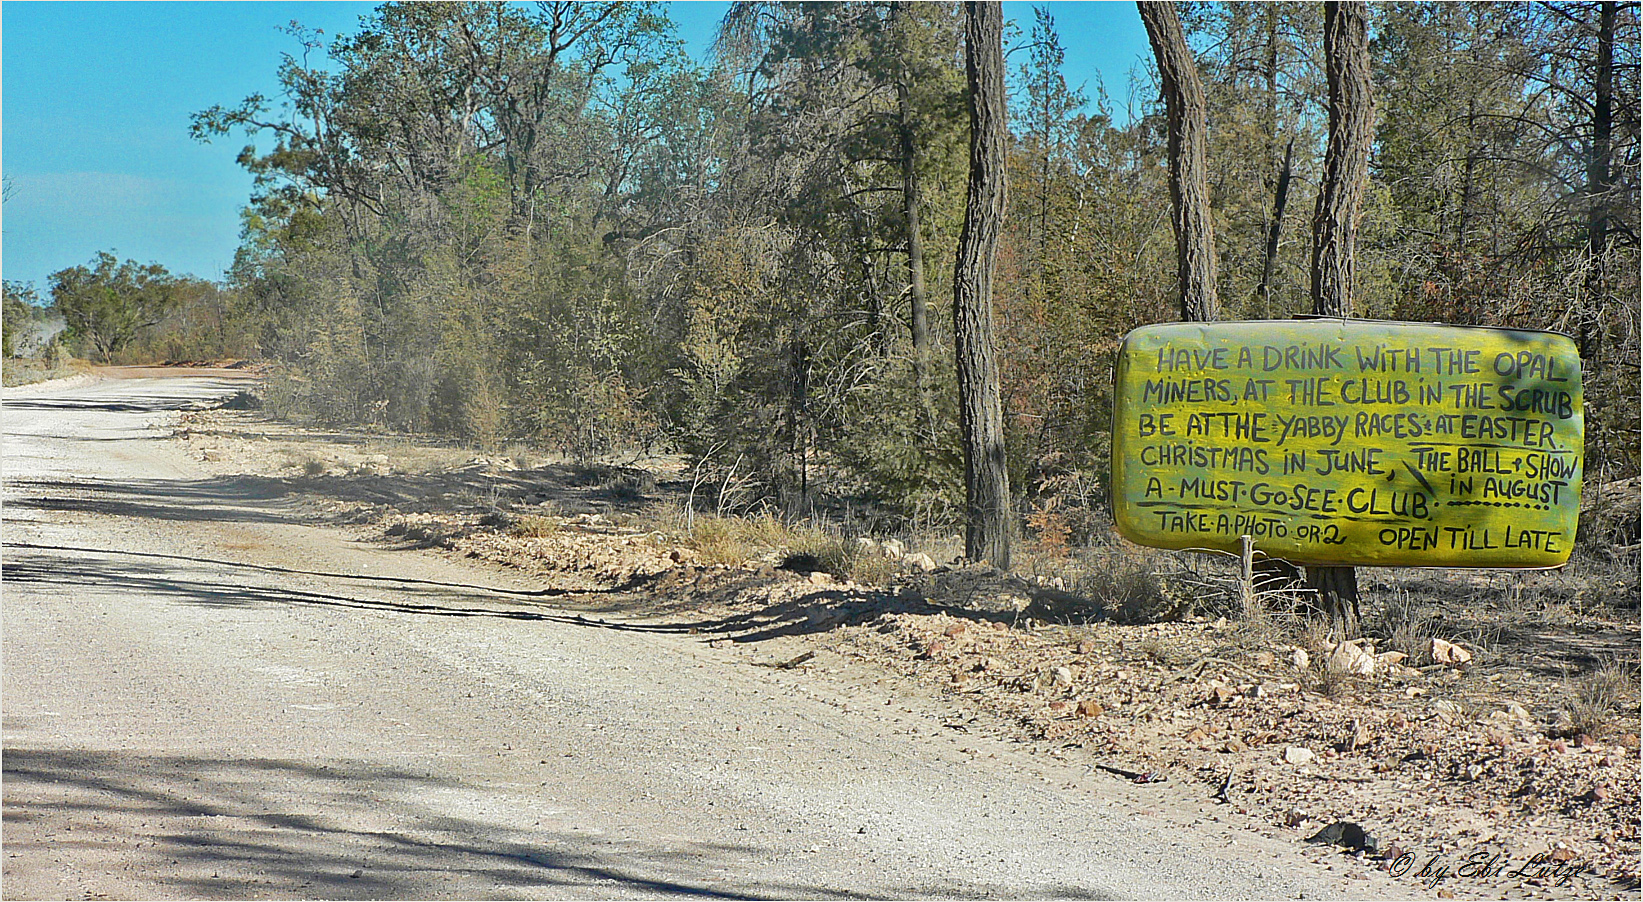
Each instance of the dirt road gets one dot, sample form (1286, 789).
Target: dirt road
(204, 697)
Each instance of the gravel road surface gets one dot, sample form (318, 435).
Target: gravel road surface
(206, 697)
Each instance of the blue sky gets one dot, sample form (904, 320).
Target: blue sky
(95, 101)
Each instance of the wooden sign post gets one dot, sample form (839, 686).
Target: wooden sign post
(1336, 442)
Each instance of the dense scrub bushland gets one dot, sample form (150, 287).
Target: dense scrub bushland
(550, 225)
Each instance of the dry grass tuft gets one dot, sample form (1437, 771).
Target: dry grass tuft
(731, 541)
(425, 535)
(735, 541)
(532, 526)
(1601, 696)
(519, 455)
(1132, 584)
(1331, 681)
(1313, 635)
(866, 566)
(1267, 623)
(1404, 625)
(1157, 651)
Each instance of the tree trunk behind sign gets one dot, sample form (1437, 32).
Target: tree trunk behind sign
(918, 303)
(1188, 167)
(986, 482)
(1280, 199)
(1334, 232)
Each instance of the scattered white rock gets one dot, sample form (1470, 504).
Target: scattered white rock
(1063, 676)
(1449, 653)
(1297, 755)
(894, 548)
(921, 561)
(1349, 658)
(1299, 658)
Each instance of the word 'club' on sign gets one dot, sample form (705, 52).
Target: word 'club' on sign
(1350, 442)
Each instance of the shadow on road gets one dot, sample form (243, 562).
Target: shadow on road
(239, 499)
(571, 489)
(218, 827)
(200, 391)
(156, 405)
(254, 827)
(75, 571)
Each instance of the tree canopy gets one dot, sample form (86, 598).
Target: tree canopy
(107, 304)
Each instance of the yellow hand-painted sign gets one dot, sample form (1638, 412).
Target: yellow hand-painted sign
(1350, 442)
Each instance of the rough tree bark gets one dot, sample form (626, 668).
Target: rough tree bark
(1346, 161)
(986, 482)
(1334, 234)
(1185, 108)
(1599, 179)
(918, 301)
(798, 399)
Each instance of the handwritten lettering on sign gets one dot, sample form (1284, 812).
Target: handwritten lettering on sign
(1350, 442)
